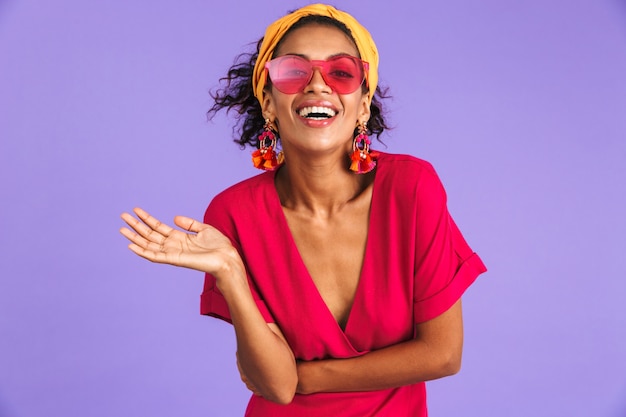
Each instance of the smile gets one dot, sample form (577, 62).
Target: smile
(317, 113)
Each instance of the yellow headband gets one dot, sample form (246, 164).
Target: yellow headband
(275, 32)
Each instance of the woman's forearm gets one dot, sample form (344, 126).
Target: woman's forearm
(403, 364)
(264, 356)
(434, 353)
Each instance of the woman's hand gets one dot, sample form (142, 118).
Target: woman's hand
(202, 247)
(245, 379)
(265, 359)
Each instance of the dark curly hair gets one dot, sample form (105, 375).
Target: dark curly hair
(237, 94)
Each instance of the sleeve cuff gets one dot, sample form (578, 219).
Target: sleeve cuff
(439, 303)
(213, 304)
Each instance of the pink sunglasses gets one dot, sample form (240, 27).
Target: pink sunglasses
(290, 74)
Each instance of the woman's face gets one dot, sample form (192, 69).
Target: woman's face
(297, 127)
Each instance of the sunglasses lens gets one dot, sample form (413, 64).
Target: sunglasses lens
(344, 74)
(290, 74)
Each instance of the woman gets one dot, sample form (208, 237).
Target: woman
(339, 268)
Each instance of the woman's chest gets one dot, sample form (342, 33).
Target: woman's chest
(332, 251)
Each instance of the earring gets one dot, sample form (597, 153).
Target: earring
(265, 157)
(363, 160)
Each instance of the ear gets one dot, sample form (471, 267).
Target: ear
(267, 107)
(364, 109)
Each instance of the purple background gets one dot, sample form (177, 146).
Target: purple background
(520, 105)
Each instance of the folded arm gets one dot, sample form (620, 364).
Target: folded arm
(263, 354)
(434, 353)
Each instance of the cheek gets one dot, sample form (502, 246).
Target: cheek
(357, 106)
(282, 104)
(275, 102)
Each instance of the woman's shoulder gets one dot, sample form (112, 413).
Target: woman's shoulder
(244, 193)
(406, 168)
(408, 178)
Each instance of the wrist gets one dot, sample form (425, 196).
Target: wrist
(231, 275)
(306, 377)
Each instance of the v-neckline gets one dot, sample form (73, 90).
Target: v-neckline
(297, 257)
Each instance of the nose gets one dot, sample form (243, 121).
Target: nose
(317, 82)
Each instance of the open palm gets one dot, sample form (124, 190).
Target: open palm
(200, 247)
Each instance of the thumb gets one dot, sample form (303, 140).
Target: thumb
(189, 224)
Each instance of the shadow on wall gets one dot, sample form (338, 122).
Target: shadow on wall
(4, 412)
(620, 410)
(621, 6)
(4, 6)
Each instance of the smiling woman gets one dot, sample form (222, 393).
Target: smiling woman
(340, 268)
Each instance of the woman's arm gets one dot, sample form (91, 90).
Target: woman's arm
(264, 355)
(434, 353)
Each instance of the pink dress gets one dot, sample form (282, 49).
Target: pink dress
(417, 265)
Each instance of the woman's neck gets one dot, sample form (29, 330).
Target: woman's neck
(321, 186)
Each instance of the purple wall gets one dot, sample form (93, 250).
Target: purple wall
(520, 105)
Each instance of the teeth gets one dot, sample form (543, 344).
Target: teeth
(317, 112)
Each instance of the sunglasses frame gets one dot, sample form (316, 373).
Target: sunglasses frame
(323, 66)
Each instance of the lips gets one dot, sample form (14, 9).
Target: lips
(317, 112)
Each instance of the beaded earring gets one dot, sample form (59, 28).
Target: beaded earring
(363, 160)
(265, 157)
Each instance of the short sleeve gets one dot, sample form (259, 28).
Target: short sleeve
(212, 302)
(445, 265)
(221, 215)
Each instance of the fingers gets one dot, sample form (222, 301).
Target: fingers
(189, 224)
(139, 243)
(148, 236)
(149, 228)
(154, 224)
(144, 253)
(156, 241)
